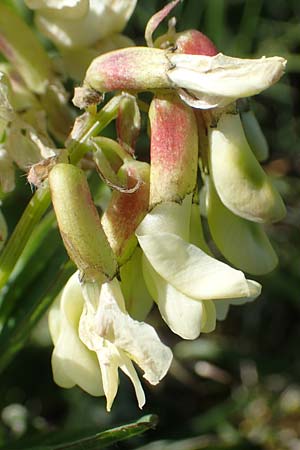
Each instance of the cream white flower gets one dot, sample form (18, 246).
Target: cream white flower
(211, 81)
(70, 9)
(240, 181)
(183, 279)
(85, 22)
(94, 336)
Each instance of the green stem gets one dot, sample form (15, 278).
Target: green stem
(41, 199)
(14, 247)
(94, 126)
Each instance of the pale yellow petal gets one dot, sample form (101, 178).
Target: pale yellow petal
(70, 9)
(243, 243)
(240, 182)
(137, 339)
(184, 315)
(109, 361)
(72, 363)
(127, 367)
(169, 217)
(190, 270)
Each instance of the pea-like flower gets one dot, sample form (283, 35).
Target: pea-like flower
(202, 81)
(182, 278)
(94, 336)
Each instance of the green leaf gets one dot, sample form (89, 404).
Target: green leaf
(35, 209)
(43, 243)
(100, 440)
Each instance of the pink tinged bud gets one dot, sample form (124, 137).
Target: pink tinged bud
(79, 223)
(126, 210)
(134, 68)
(174, 149)
(193, 42)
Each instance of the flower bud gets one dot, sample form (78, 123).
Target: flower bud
(241, 183)
(79, 223)
(126, 210)
(135, 68)
(193, 42)
(174, 149)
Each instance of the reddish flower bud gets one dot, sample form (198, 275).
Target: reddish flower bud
(126, 210)
(193, 42)
(174, 149)
(133, 68)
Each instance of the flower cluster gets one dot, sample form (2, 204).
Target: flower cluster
(149, 244)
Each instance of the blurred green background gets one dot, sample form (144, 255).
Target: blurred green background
(239, 387)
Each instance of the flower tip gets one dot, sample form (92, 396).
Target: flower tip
(254, 289)
(141, 403)
(109, 403)
(279, 68)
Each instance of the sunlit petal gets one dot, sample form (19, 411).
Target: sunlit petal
(184, 315)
